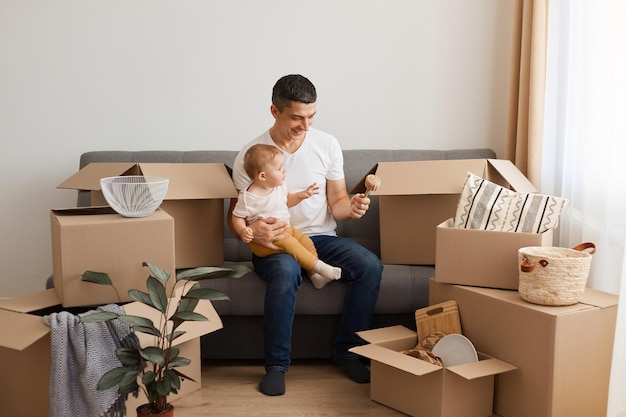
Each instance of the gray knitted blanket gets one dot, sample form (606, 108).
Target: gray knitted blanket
(80, 354)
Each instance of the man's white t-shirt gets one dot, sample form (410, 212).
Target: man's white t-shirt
(318, 159)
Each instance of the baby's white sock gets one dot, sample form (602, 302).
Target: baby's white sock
(318, 280)
(323, 274)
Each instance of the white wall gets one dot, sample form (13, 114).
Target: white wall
(80, 75)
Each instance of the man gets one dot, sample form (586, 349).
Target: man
(310, 156)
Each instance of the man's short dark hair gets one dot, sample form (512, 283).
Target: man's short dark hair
(293, 87)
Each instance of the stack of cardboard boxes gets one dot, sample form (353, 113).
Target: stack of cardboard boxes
(551, 361)
(187, 231)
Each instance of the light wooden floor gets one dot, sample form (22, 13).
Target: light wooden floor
(314, 388)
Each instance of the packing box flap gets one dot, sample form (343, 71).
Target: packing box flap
(424, 177)
(484, 367)
(509, 172)
(442, 176)
(194, 180)
(18, 329)
(396, 360)
(88, 178)
(31, 302)
(386, 334)
(187, 180)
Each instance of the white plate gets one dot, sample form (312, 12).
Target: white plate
(455, 349)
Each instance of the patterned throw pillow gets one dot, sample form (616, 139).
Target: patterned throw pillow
(488, 206)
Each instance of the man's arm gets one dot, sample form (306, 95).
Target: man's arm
(341, 205)
(265, 231)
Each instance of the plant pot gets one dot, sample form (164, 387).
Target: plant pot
(145, 411)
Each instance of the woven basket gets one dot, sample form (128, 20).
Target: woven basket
(554, 276)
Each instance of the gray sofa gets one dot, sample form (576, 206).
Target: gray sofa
(404, 288)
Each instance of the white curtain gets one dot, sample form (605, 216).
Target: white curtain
(585, 147)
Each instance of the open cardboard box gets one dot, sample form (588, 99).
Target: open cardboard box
(480, 257)
(416, 196)
(98, 239)
(195, 199)
(563, 354)
(419, 388)
(25, 351)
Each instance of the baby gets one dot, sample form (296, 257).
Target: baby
(266, 197)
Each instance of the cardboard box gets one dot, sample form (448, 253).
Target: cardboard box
(416, 196)
(480, 257)
(101, 240)
(195, 199)
(563, 354)
(419, 388)
(25, 352)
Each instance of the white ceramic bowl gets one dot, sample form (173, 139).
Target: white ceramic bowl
(134, 195)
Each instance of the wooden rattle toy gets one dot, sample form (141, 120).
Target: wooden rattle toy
(372, 183)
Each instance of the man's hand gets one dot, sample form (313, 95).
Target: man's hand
(268, 231)
(359, 204)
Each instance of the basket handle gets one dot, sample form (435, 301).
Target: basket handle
(526, 267)
(584, 246)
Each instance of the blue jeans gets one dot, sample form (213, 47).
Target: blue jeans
(361, 272)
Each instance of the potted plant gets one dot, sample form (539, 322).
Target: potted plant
(155, 367)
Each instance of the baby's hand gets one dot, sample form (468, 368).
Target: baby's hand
(310, 191)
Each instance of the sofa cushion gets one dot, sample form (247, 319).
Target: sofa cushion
(403, 289)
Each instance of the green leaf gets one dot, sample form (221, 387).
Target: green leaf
(129, 381)
(171, 378)
(112, 378)
(147, 330)
(141, 296)
(175, 335)
(188, 316)
(213, 272)
(101, 278)
(173, 352)
(179, 361)
(187, 304)
(163, 387)
(148, 377)
(98, 317)
(128, 356)
(151, 389)
(157, 294)
(130, 387)
(183, 376)
(206, 294)
(136, 321)
(157, 272)
(153, 354)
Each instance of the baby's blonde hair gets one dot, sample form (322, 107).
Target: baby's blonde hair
(257, 157)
